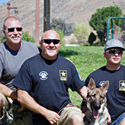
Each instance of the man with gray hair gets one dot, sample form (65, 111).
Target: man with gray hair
(13, 52)
(115, 73)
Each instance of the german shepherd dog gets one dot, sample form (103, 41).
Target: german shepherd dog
(97, 112)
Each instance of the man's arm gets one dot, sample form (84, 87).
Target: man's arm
(26, 100)
(83, 92)
(7, 91)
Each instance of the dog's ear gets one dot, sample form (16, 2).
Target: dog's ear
(105, 86)
(91, 84)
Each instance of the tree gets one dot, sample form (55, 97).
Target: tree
(99, 19)
(58, 24)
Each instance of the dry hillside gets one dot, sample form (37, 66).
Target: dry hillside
(69, 10)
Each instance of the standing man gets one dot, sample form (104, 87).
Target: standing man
(13, 52)
(43, 83)
(115, 73)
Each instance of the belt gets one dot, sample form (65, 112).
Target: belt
(69, 105)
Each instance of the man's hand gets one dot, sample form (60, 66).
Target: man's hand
(109, 118)
(52, 117)
(22, 108)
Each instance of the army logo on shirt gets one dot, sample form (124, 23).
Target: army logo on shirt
(122, 85)
(43, 75)
(63, 75)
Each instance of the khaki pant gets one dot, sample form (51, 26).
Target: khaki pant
(66, 115)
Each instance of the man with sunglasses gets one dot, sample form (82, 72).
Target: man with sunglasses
(115, 73)
(13, 52)
(43, 83)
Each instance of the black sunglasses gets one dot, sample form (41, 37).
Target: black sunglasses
(48, 41)
(12, 29)
(113, 51)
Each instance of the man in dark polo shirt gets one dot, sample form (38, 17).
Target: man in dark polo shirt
(114, 72)
(43, 83)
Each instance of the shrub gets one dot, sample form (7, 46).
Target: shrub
(61, 34)
(92, 38)
(81, 31)
(27, 37)
(3, 39)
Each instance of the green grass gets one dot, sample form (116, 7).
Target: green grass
(86, 59)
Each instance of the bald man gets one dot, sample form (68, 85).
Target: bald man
(43, 83)
(13, 52)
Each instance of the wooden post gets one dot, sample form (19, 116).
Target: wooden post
(37, 24)
(8, 7)
(8, 4)
(46, 15)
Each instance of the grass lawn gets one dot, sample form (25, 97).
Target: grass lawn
(86, 59)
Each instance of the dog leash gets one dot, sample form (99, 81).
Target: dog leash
(69, 105)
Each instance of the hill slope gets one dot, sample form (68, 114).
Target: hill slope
(70, 10)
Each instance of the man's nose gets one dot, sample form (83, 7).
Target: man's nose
(52, 44)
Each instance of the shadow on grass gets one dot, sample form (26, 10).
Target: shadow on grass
(67, 53)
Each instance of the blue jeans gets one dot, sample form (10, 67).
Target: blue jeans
(119, 119)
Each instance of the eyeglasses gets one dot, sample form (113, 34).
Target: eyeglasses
(48, 41)
(12, 29)
(113, 51)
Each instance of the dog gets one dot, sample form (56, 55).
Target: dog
(97, 113)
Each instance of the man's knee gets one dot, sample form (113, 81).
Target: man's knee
(77, 118)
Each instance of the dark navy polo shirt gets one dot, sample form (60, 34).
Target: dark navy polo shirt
(116, 90)
(48, 81)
